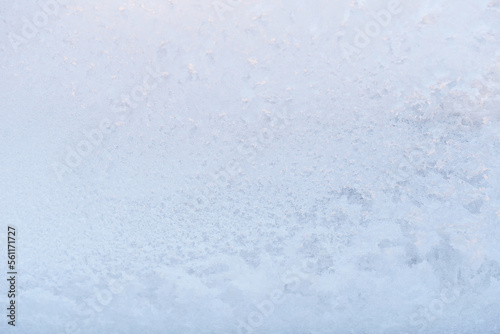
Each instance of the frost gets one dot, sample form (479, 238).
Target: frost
(253, 167)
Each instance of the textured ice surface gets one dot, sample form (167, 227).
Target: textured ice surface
(250, 166)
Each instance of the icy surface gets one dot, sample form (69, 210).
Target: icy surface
(252, 166)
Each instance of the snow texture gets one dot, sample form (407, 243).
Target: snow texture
(244, 166)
